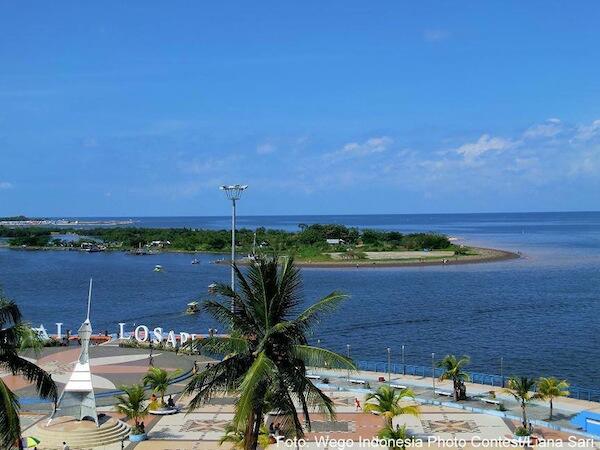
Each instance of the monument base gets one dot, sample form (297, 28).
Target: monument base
(79, 434)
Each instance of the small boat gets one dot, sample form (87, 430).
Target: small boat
(158, 268)
(195, 261)
(192, 308)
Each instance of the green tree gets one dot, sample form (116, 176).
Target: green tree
(453, 370)
(235, 436)
(159, 380)
(521, 388)
(386, 401)
(396, 437)
(15, 335)
(550, 388)
(267, 351)
(132, 403)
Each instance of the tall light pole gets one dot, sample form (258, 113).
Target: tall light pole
(348, 353)
(389, 350)
(433, 373)
(233, 193)
(502, 370)
(403, 365)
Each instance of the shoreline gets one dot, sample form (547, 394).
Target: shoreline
(489, 255)
(485, 255)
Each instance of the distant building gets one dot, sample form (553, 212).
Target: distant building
(159, 244)
(335, 241)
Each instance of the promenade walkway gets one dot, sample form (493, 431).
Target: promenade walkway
(202, 428)
(538, 411)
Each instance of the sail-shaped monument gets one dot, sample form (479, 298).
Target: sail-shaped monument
(77, 399)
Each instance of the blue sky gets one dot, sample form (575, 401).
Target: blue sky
(144, 108)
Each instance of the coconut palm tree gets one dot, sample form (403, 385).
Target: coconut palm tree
(397, 438)
(132, 403)
(521, 388)
(550, 388)
(159, 380)
(386, 401)
(453, 367)
(15, 334)
(235, 436)
(267, 351)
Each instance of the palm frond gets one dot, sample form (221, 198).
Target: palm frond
(261, 373)
(218, 345)
(9, 313)
(320, 357)
(224, 377)
(44, 384)
(313, 314)
(10, 425)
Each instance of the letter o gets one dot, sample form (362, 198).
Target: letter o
(137, 333)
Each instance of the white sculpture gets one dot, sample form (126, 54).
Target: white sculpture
(77, 399)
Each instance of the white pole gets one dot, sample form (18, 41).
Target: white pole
(433, 372)
(89, 299)
(389, 364)
(348, 353)
(232, 251)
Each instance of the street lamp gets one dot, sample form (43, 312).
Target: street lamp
(502, 370)
(389, 350)
(233, 193)
(433, 373)
(403, 365)
(348, 354)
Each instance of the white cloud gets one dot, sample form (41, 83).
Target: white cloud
(587, 132)
(548, 129)
(587, 164)
(265, 148)
(435, 35)
(484, 144)
(5, 185)
(369, 147)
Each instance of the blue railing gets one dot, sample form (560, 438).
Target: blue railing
(476, 377)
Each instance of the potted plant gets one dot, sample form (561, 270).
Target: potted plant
(522, 435)
(453, 370)
(522, 389)
(159, 380)
(132, 403)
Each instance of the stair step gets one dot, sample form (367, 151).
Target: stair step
(111, 432)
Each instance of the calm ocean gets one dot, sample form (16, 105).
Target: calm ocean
(540, 313)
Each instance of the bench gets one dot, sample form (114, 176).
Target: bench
(444, 393)
(491, 401)
(313, 377)
(397, 386)
(357, 381)
(164, 411)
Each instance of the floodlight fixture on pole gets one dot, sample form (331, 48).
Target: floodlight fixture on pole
(233, 193)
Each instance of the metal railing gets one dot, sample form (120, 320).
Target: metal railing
(577, 392)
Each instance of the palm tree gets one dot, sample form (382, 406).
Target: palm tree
(132, 403)
(454, 371)
(15, 334)
(235, 436)
(397, 438)
(550, 388)
(521, 388)
(267, 351)
(386, 401)
(159, 380)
